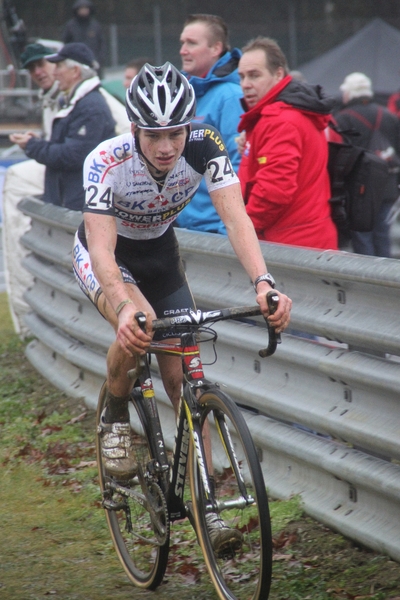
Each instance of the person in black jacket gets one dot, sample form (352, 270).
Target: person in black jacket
(369, 121)
(85, 28)
(82, 122)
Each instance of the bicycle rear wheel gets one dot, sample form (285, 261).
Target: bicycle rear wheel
(136, 514)
(241, 501)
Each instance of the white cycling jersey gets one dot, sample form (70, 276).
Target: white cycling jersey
(118, 182)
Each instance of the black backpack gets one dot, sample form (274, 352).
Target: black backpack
(358, 178)
(378, 142)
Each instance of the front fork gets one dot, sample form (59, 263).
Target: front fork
(200, 435)
(146, 406)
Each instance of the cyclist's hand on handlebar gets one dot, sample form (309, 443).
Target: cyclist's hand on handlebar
(130, 336)
(281, 317)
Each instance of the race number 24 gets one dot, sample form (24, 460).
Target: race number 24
(220, 169)
(99, 197)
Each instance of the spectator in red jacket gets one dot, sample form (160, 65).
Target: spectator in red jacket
(283, 171)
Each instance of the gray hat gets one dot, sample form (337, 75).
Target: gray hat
(33, 52)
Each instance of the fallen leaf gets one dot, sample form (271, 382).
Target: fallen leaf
(40, 418)
(50, 429)
(77, 419)
(86, 463)
(282, 556)
(284, 539)
(188, 572)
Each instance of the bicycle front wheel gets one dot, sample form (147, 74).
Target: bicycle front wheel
(240, 500)
(136, 513)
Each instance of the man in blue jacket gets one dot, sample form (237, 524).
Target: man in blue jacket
(211, 68)
(82, 122)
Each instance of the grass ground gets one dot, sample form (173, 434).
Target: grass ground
(54, 537)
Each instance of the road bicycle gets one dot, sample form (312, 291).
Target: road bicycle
(139, 512)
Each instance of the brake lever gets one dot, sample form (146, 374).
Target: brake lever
(141, 320)
(134, 374)
(274, 337)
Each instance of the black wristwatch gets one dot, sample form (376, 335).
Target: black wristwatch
(266, 277)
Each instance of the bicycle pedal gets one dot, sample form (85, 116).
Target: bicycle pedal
(111, 505)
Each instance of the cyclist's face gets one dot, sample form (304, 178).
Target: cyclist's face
(162, 148)
(197, 52)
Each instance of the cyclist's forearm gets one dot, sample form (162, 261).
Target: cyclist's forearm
(230, 207)
(101, 235)
(247, 248)
(110, 280)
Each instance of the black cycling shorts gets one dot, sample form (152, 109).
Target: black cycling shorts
(155, 266)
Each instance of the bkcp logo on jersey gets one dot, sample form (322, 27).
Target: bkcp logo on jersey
(98, 169)
(107, 158)
(158, 201)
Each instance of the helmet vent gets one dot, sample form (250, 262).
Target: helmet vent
(160, 97)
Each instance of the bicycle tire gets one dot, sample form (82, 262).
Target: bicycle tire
(245, 575)
(143, 558)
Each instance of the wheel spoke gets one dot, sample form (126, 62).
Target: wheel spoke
(137, 516)
(239, 499)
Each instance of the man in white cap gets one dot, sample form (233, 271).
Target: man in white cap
(378, 130)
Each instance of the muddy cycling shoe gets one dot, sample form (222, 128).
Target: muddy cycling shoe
(225, 540)
(117, 450)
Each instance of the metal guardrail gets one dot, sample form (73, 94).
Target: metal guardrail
(395, 233)
(323, 412)
(16, 86)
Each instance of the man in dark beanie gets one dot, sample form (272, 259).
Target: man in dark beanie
(83, 27)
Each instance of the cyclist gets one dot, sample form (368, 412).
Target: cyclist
(126, 257)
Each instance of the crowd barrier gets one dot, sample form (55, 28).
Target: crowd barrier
(395, 231)
(324, 410)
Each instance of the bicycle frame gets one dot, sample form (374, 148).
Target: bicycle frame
(188, 427)
(158, 497)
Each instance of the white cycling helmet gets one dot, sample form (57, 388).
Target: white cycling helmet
(160, 97)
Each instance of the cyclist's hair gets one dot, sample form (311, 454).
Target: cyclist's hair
(86, 71)
(217, 28)
(160, 97)
(274, 55)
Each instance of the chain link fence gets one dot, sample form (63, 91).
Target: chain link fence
(301, 43)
